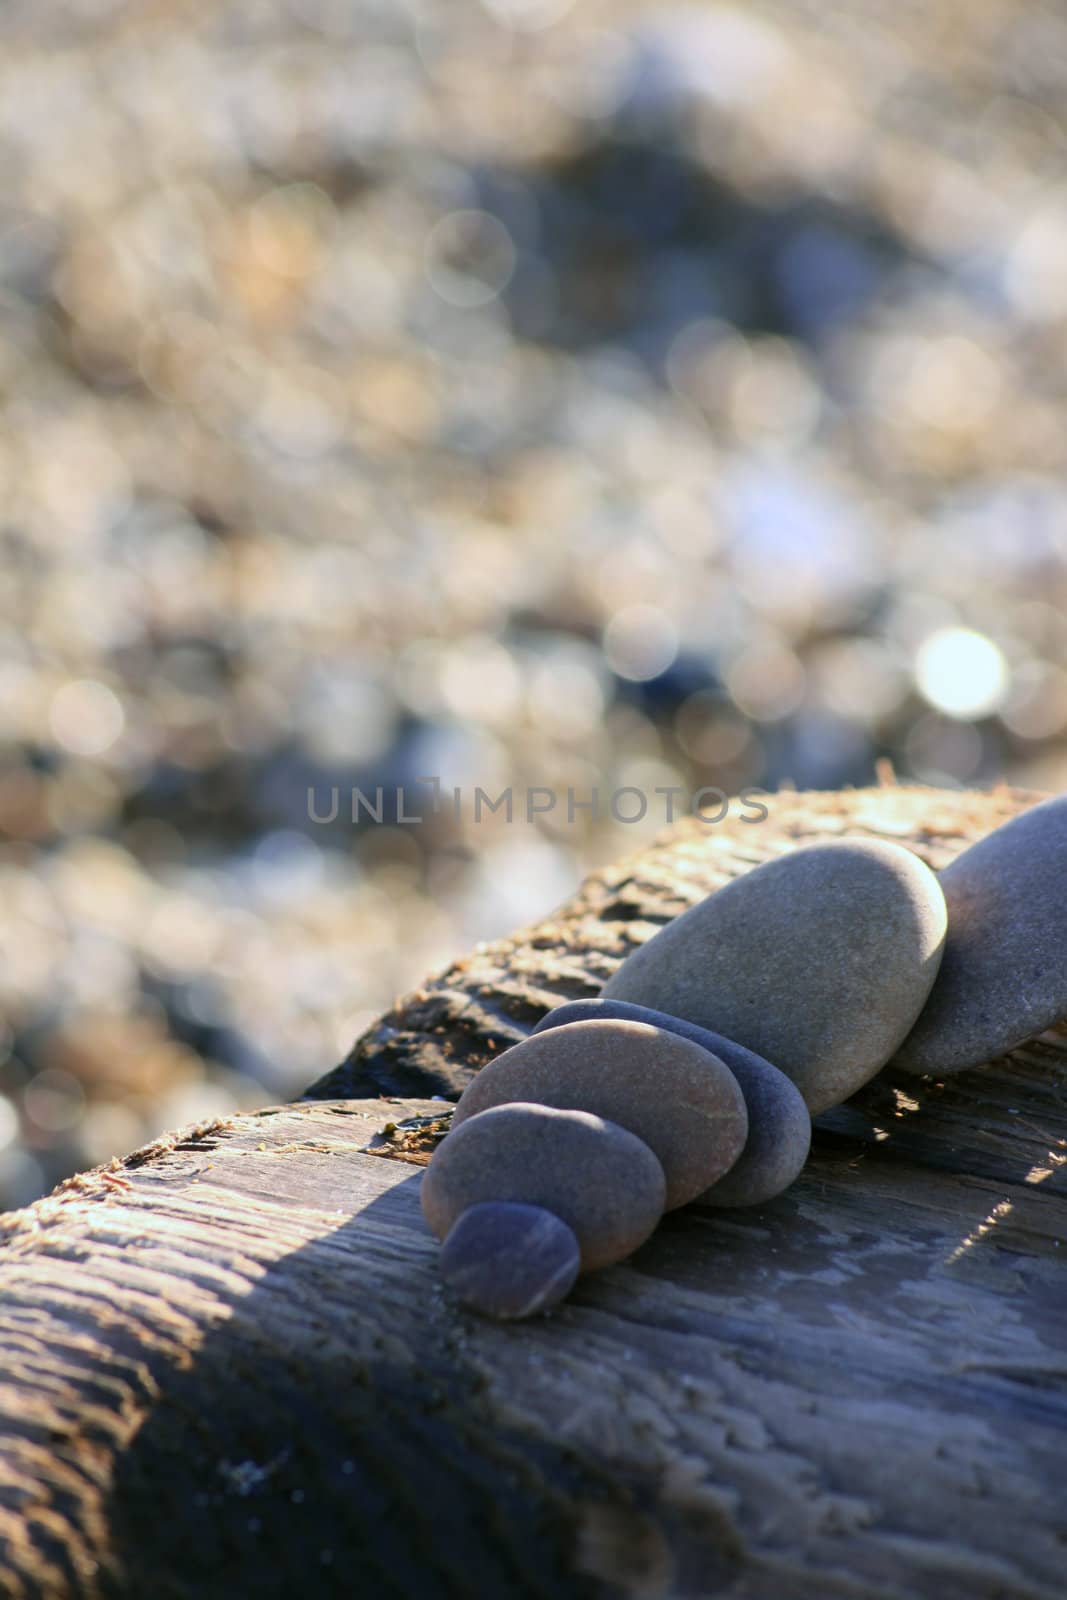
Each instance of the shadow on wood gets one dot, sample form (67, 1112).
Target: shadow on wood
(229, 1367)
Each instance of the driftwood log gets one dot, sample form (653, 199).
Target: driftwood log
(228, 1368)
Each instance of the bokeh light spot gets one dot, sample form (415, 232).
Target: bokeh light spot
(54, 1101)
(470, 257)
(640, 642)
(86, 717)
(961, 672)
(766, 681)
(9, 1123)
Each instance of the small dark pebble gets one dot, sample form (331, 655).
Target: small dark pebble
(509, 1260)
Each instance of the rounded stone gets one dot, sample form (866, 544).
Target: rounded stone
(682, 1101)
(1003, 978)
(779, 1125)
(507, 1260)
(820, 961)
(602, 1181)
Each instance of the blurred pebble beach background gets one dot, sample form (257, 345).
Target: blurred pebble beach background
(523, 393)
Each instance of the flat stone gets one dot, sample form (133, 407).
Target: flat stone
(507, 1260)
(601, 1180)
(1003, 979)
(779, 1126)
(819, 961)
(681, 1100)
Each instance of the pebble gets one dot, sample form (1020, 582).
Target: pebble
(509, 1260)
(820, 961)
(1003, 978)
(779, 1126)
(671, 1092)
(598, 1178)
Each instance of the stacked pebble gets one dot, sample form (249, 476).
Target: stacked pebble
(565, 1124)
(821, 961)
(1003, 979)
(568, 1148)
(779, 1126)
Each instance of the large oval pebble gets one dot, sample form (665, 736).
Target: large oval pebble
(1003, 978)
(819, 961)
(779, 1126)
(508, 1260)
(682, 1101)
(602, 1181)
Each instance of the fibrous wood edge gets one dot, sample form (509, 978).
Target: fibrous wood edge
(228, 1366)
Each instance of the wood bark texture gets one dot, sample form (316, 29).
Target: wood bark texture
(228, 1368)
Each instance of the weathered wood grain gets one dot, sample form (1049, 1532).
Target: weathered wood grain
(228, 1367)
